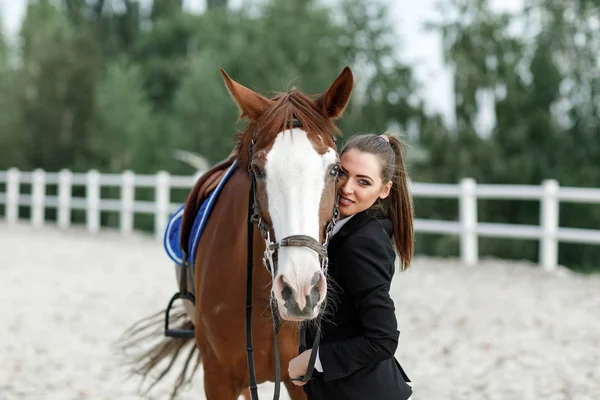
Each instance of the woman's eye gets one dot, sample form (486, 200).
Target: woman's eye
(364, 183)
(342, 174)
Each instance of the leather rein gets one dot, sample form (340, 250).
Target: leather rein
(254, 217)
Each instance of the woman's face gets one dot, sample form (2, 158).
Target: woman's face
(359, 183)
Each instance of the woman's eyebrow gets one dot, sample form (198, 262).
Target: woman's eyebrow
(359, 176)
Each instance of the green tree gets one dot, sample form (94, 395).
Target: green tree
(203, 113)
(124, 132)
(542, 84)
(162, 53)
(216, 4)
(165, 8)
(59, 70)
(13, 144)
(384, 96)
(265, 54)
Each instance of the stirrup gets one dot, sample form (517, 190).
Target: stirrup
(183, 294)
(179, 333)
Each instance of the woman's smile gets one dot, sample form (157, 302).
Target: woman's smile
(345, 201)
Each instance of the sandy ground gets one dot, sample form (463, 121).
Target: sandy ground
(496, 331)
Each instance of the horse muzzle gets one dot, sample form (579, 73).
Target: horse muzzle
(299, 299)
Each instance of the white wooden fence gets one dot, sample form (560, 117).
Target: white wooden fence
(467, 192)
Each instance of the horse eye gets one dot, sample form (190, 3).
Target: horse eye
(335, 170)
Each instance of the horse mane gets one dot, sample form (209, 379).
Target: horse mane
(286, 107)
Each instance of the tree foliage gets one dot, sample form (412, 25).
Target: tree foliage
(123, 85)
(540, 70)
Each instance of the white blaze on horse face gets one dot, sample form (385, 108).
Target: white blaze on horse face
(295, 179)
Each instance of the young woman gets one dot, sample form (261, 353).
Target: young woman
(355, 358)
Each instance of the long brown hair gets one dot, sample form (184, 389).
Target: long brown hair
(397, 206)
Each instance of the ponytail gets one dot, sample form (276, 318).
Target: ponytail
(399, 206)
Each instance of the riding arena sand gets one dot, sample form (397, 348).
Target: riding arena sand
(495, 331)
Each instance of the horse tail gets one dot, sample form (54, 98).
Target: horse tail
(151, 355)
(145, 348)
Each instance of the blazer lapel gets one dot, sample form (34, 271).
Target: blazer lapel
(354, 223)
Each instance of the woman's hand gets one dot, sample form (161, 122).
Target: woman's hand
(297, 366)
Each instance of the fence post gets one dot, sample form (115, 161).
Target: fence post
(163, 198)
(93, 201)
(549, 220)
(469, 251)
(38, 193)
(65, 180)
(12, 196)
(127, 200)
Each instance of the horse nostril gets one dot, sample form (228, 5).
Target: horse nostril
(315, 278)
(315, 295)
(286, 292)
(317, 288)
(282, 290)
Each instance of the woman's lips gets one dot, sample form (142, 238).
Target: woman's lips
(345, 201)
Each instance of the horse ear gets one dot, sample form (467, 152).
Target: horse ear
(334, 100)
(252, 105)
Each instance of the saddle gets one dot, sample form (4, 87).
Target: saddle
(183, 234)
(186, 225)
(200, 192)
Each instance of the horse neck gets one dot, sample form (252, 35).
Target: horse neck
(236, 205)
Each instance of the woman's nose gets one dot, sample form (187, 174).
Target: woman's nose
(347, 187)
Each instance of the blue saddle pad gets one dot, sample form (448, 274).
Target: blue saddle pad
(172, 232)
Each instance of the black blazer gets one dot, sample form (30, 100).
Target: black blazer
(359, 329)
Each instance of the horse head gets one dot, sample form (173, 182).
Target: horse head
(289, 148)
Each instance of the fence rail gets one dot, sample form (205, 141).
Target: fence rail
(467, 228)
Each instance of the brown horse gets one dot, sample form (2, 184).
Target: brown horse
(295, 166)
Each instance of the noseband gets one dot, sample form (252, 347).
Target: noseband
(254, 217)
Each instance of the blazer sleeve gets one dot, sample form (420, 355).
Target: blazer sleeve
(368, 265)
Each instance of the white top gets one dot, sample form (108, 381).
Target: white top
(339, 224)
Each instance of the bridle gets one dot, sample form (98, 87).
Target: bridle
(254, 217)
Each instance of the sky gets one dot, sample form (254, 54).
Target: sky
(417, 47)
